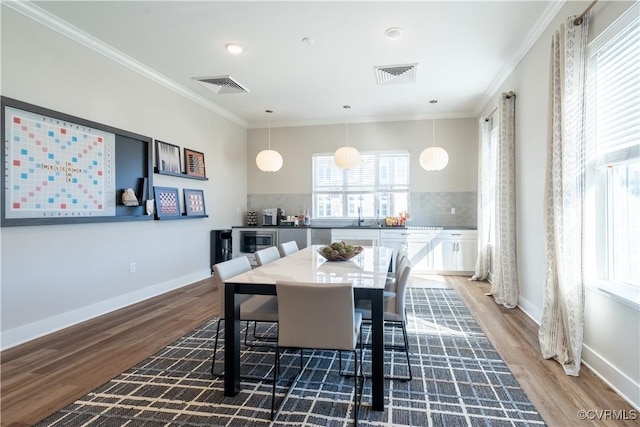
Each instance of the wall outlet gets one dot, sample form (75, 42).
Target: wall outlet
(132, 267)
(453, 211)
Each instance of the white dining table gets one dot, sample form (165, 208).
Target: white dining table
(367, 272)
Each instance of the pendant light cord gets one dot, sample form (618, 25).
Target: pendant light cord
(269, 112)
(433, 127)
(346, 107)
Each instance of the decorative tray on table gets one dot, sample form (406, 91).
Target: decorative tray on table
(339, 251)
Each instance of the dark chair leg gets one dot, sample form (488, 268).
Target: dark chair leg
(406, 349)
(276, 371)
(215, 349)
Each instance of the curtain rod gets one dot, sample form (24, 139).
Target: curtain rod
(578, 20)
(507, 95)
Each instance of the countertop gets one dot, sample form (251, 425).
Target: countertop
(364, 227)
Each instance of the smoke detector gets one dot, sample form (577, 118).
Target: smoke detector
(395, 74)
(221, 84)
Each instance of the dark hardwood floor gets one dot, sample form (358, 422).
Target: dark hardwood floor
(44, 375)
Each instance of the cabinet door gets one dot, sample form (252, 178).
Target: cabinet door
(444, 255)
(355, 236)
(467, 254)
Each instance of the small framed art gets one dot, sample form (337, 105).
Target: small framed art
(194, 163)
(168, 158)
(167, 202)
(194, 202)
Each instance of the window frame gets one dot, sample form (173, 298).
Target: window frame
(598, 263)
(349, 210)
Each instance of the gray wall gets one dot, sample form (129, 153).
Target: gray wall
(57, 275)
(612, 328)
(433, 194)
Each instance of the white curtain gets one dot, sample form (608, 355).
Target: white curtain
(486, 172)
(561, 328)
(504, 286)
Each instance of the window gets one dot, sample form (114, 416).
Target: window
(379, 187)
(613, 172)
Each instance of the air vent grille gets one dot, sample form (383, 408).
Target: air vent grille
(221, 84)
(395, 74)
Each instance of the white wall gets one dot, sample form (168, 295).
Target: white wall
(612, 329)
(458, 136)
(57, 275)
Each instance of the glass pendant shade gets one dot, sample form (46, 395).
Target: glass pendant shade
(434, 158)
(269, 161)
(347, 157)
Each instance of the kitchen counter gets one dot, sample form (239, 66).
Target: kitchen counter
(363, 227)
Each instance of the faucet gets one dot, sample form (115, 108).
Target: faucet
(360, 220)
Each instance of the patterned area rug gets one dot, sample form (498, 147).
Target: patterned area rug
(458, 380)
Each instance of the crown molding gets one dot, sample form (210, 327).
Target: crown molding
(547, 17)
(45, 18)
(363, 119)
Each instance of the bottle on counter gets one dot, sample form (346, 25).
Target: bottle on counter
(307, 218)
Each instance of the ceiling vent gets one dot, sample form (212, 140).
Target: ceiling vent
(221, 84)
(395, 74)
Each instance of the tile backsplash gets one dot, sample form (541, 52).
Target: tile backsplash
(426, 208)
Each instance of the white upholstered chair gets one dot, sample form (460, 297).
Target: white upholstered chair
(287, 248)
(318, 316)
(390, 285)
(394, 312)
(267, 255)
(257, 308)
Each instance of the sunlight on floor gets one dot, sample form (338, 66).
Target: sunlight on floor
(419, 280)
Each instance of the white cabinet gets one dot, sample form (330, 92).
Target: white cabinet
(454, 251)
(393, 238)
(355, 236)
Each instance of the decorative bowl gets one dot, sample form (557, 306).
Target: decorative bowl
(335, 255)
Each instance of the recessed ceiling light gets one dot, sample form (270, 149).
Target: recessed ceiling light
(393, 33)
(236, 49)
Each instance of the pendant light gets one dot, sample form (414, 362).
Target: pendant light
(434, 158)
(269, 160)
(347, 157)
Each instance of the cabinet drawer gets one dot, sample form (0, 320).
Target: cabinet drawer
(458, 234)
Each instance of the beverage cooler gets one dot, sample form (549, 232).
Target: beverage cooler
(221, 246)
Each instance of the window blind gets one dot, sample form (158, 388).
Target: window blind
(378, 186)
(616, 74)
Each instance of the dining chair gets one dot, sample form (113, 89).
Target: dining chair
(390, 285)
(256, 308)
(266, 255)
(318, 316)
(394, 313)
(287, 248)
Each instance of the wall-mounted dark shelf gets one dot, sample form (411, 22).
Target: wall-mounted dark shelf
(131, 156)
(180, 175)
(183, 216)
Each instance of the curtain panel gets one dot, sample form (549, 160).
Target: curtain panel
(504, 287)
(485, 202)
(562, 324)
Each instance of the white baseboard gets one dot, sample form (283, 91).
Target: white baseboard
(618, 381)
(31, 331)
(626, 387)
(531, 310)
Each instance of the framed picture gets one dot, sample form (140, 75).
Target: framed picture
(194, 202)
(194, 163)
(168, 157)
(167, 202)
